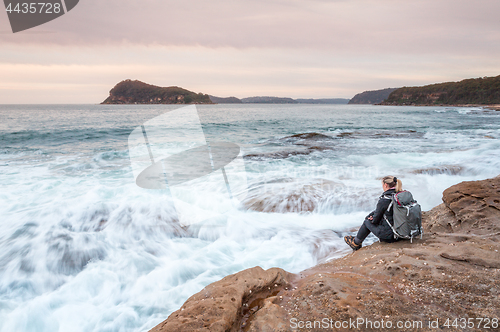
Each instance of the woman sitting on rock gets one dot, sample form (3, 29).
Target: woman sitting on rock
(375, 222)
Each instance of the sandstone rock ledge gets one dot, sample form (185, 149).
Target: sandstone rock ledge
(452, 273)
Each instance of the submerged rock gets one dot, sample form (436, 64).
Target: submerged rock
(304, 137)
(295, 195)
(297, 145)
(381, 133)
(68, 253)
(278, 154)
(289, 195)
(445, 169)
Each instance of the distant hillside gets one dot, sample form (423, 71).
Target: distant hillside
(277, 100)
(268, 100)
(323, 101)
(479, 91)
(137, 92)
(228, 100)
(372, 97)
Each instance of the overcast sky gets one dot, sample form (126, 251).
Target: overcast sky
(242, 48)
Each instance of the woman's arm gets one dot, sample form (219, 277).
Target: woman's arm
(382, 205)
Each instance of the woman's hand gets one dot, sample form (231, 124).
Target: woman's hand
(370, 216)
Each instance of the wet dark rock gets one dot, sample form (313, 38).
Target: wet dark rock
(279, 154)
(311, 140)
(297, 145)
(309, 136)
(445, 169)
(375, 134)
(27, 230)
(64, 256)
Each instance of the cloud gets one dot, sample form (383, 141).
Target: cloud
(82, 75)
(340, 26)
(296, 48)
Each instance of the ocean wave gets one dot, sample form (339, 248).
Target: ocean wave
(83, 248)
(468, 110)
(40, 139)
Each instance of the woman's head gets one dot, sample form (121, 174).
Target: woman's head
(389, 182)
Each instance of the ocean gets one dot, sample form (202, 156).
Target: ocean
(84, 248)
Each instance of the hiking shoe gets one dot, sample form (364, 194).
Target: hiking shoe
(350, 242)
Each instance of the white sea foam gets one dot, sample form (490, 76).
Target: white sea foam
(82, 248)
(113, 256)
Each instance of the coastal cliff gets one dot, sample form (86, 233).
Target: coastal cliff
(226, 100)
(449, 274)
(476, 91)
(137, 92)
(372, 97)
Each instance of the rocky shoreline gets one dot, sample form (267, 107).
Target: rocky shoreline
(493, 107)
(446, 280)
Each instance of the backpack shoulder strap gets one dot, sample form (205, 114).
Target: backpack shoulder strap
(390, 205)
(391, 197)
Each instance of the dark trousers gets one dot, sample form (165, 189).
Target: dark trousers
(382, 231)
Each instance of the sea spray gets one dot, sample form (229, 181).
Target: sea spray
(82, 248)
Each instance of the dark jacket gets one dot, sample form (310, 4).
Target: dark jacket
(382, 205)
(383, 229)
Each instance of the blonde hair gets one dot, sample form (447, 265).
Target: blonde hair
(389, 180)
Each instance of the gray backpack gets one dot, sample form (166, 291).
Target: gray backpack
(407, 216)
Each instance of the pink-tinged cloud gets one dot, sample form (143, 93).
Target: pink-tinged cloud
(421, 26)
(294, 48)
